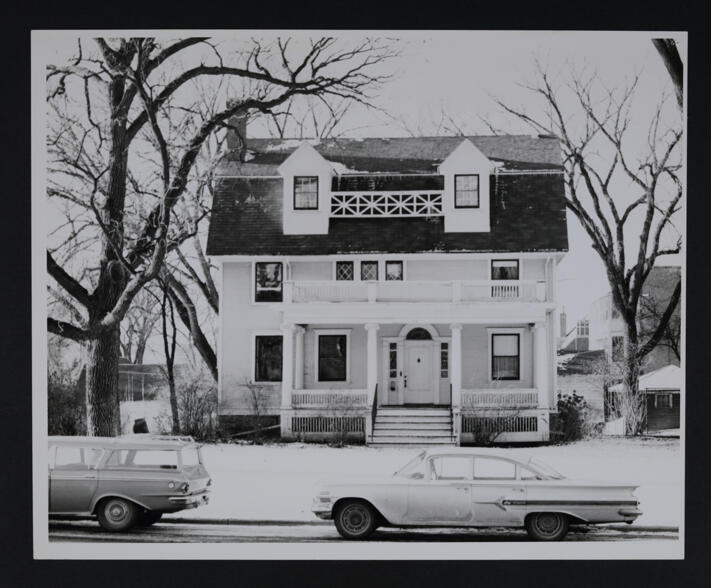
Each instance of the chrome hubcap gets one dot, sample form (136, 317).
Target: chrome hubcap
(548, 524)
(355, 518)
(116, 512)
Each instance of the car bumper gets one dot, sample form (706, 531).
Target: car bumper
(191, 501)
(630, 514)
(323, 511)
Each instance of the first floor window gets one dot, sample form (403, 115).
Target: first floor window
(392, 357)
(444, 360)
(368, 270)
(393, 270)
(466, 191)
(305, 192)
(344, 270)
(267, 358)
(663, 401)
(505, 357)
(332, 358)
(504, 269)
(268, 282)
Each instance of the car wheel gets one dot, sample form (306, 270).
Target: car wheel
(356, 519)
(117, 514)
(547, 526)
(148, 517)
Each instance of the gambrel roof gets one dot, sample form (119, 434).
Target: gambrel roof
(527, 209)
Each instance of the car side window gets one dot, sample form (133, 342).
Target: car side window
(143, 458)
(487, 468)
(66, 457)
(452, 468)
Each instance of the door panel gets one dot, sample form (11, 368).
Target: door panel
(418, 372)
(71, 489)
(438, 501)
(498, 502)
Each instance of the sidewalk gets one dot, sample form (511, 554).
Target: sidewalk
(276, 483)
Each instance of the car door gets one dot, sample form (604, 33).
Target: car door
(443, 496)
(72, 479)
(498, 497)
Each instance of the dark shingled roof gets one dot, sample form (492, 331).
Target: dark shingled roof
(527, 214)
(527, 210)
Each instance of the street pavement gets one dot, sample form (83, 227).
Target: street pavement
(182, 531)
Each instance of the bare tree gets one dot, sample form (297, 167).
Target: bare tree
(610, 179)
(108, 110)
(672, 61)
(652, 308)
(138, 326)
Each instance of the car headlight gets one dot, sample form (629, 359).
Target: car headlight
(184, 487)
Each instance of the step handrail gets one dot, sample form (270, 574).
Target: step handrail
(374, 411)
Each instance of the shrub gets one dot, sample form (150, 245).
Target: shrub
(66, 411)
(572, 422)
(197, 404)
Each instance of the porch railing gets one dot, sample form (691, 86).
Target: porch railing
(413, 291)
(500, 398)
(329, 399)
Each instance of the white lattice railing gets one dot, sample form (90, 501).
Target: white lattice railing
(413, 291)
(368, 204)
(500, 398)
(333, 399)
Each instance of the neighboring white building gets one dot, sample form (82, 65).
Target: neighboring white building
(402, 289)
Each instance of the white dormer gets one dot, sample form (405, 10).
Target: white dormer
(307, 188)
(466, 189)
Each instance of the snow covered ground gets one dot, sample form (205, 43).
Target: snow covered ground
(277, 482)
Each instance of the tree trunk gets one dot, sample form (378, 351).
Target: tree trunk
(103, 408)
(173, 399)
(102, 392)
(632, 405)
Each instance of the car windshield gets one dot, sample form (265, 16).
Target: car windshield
(411, 467)
(544, 468)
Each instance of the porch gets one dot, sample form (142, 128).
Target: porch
(416, 383)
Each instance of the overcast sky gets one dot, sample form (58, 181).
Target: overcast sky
(459, 73)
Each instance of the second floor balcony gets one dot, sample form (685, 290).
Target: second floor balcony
(454, 291)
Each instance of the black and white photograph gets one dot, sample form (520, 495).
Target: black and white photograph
(352, 294)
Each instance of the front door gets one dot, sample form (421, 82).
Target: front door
(418, 372)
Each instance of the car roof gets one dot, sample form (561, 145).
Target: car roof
(478, 451)
(139, 441)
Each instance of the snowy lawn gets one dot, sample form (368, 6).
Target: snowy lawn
(277, 482)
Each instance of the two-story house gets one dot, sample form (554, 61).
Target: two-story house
(403, 289)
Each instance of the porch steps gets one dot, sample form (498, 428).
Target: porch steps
(412, 427)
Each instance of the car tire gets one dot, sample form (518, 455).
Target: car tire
(117, 514)
(547, 526)
(355, 519)
(148, 517)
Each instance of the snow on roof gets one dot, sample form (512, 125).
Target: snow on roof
(666, 378)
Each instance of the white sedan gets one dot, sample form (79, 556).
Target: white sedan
(470, 488)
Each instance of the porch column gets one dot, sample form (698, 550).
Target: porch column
(287, 367)
(299, 359)
(372, 369)
(540, 363)
(455, 376)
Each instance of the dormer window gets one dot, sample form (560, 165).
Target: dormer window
(466, 191)
(305, 192)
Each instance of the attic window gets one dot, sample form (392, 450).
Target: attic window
(466, 191)
(305, 192)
